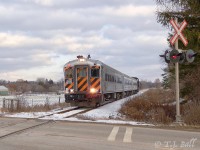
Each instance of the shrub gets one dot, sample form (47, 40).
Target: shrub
(153, 106)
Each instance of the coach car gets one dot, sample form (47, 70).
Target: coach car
(92, 83)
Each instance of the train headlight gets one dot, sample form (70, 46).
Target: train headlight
(71, 90)
(93, 90)
(81, 59)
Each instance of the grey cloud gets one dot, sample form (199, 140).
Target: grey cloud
(10, 64)
(74, 3)
(21, 18)
(69, 28)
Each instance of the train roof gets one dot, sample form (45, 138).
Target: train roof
(91, 62)
(86, 62)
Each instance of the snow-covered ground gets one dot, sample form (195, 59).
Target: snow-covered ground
(105, 114)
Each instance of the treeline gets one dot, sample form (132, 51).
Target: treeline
(144, 84)
(41, 85)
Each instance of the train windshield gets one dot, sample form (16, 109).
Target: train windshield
(81, 72)
(68, 73)
(95, 72)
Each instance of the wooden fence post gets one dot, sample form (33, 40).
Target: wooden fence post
(12, 105)
(4, 103)
(17, 105)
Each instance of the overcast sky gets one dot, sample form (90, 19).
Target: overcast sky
(37, 37)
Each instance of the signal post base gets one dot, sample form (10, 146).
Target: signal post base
(178, 119)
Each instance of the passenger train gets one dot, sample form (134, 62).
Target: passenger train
(91, 83)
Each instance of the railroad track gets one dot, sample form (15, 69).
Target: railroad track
(66, 114)
(70, 113)
(25, 129)
(11, 124)
(59, 112)
(63, 114)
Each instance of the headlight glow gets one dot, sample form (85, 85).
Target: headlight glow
(93, 90)
(71, 90)
(82, 59)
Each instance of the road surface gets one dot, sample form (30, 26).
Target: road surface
(62, 135)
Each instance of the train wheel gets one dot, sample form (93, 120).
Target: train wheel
(118, 96)
(97, 105)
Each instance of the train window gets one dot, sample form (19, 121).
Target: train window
(119, 80)
(112, 79)
(95, 72)
(106, 77)
(68, 73)
(109, 78)
(81, 72)
(68, 81)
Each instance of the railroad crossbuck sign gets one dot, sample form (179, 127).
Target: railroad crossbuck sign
(178, 32)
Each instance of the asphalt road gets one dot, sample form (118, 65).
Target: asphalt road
(87, 136)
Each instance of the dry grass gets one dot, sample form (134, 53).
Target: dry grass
(191, 113)
(152, 106)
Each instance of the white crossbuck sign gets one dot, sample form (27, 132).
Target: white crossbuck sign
(178, 32)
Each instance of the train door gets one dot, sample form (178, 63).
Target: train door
(82, 78)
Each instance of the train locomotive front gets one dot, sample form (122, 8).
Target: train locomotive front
(92, 83)
(82, 82)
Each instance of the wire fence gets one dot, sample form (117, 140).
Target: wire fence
(31, 99)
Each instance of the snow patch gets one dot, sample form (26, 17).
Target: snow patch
(105, 114)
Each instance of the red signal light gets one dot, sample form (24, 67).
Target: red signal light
(174, 56)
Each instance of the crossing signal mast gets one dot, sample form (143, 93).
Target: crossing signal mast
(178, 56)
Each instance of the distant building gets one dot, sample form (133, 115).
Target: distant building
(3, 91)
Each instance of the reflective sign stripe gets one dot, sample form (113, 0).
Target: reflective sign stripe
(95, 83)
(82, 83)
(69, 86)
